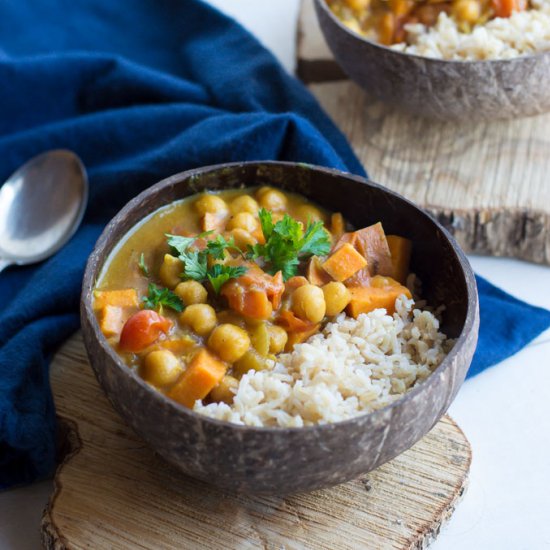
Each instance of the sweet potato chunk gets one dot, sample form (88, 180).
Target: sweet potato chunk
(295, 282)
(291, 323)
(299, 337)
(361, 278)
(344, 263)
(203, 374)
(255, 294)
(366, 299)
(337, 225)
(117, 298)
(251, 302)
(344, 238)
(316, 275)
(111, 320)
(400, 249)
(371, 243)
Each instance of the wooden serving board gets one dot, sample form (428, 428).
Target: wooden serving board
(489, 183)
(112, 491)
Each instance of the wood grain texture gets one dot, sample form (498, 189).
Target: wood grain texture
(113, 492)
(487, 182)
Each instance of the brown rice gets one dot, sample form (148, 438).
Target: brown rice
(353, 367)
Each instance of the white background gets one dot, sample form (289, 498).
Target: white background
(504, 412)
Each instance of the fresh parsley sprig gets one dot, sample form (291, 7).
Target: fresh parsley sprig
(158, 297)
(217, 247)
(286, 243)
(195, 262)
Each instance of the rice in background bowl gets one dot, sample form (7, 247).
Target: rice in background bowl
(523, 33)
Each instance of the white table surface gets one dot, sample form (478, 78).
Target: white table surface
(504, 411)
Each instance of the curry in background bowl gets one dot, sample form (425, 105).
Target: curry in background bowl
(451, 29)
(227, 283)
(441, 72)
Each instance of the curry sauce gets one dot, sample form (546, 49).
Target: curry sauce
(210, 287)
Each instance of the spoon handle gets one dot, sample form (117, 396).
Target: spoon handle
(4, 263)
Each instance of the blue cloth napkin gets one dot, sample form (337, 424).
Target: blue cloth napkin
(141, 91)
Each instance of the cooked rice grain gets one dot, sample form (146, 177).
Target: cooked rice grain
(353, 367)
(523, 33)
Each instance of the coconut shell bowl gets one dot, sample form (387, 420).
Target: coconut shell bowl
(440, 89)
(288, 460)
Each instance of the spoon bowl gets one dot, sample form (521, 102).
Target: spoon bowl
(41, 206)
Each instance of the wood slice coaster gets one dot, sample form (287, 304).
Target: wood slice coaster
(112, 491)
(488, 183)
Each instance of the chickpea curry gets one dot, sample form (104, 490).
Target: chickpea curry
(384, 20)
(208, 288)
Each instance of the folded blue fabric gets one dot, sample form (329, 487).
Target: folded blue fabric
(141, 92)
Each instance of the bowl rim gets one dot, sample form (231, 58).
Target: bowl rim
(322, 4)
(93, 268)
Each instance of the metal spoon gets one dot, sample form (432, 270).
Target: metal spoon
(41, 206)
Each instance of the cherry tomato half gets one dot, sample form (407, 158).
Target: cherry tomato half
(142, 329)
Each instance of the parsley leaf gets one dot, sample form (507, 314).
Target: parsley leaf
(142, 265)
(179, 244)
(219, 274)
(158, 297)
(287, 244)
(316, 241)
(217, 247)
(195, 265)
(266, 221)
(195, 262)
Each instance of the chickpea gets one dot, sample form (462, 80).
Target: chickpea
(358, 5)
(229, 342)
(337, 297)
(243, 238)
(191, 292)
(308, 303)
(277, 339)
(273, 200)
(262, 191)
(161, 368)
(466, 11)
(170, 271)
(251, 360)
(224, 390)
(211, 204)
(307, 213)
(200, 317)
(243, 220)
(244, 203)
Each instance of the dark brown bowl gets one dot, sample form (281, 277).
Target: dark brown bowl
(281, 460)
(492, 89)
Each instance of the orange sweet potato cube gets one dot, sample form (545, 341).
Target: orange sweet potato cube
(203, 373)
(120, 298)
(344, 263)
(111, 319)
(337, 225)
(299, 337)
(371, 243)
(400, 249)
(316, 275)
(367, 299)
